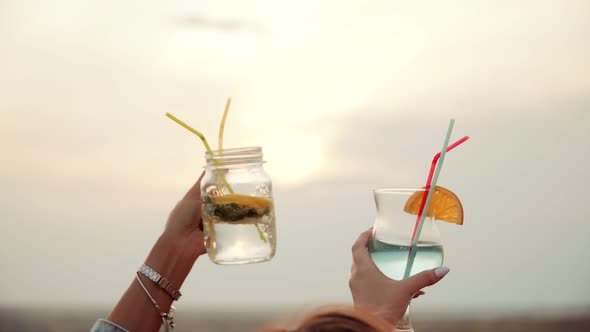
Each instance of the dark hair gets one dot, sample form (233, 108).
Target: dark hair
(338, 319)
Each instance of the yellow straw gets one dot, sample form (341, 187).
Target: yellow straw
(222, 126)
(189, 128)
(221, 129)
(207, 147)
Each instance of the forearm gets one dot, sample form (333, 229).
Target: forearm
(172, 258)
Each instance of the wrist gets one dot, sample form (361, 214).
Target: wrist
(384, 313)
(172, 257)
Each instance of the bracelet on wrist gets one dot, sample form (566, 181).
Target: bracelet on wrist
(161, 281)
(167, 317)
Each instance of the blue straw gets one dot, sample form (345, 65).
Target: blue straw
(412, 253)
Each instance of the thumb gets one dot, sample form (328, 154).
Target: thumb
(195, 192)
(425, 279)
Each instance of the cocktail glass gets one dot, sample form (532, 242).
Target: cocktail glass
(391, 242)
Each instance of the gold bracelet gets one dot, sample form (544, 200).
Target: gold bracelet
(167, 318)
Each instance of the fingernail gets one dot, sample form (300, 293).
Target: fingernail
(442, 271)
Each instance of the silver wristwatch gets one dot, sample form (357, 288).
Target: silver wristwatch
(160, 281)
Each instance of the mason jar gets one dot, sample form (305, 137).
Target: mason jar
(238, 207)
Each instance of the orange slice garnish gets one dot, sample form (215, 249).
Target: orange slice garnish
(252, 201)
(444, 205)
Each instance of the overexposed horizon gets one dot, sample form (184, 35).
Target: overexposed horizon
(343, 98)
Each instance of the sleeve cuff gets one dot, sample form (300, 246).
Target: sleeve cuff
(103, 325)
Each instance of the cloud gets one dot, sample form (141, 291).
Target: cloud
(222, 25)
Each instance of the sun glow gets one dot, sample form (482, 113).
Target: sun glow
(293, 159)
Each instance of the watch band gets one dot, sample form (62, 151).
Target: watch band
(160, 281)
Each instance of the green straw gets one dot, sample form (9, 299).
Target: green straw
(413, 249)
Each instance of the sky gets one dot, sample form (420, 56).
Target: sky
(344, 97)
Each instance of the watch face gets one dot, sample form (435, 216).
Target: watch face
(148, 272)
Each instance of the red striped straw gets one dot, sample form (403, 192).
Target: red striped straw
(429, 181)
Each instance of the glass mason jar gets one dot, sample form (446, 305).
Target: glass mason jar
(238, 208)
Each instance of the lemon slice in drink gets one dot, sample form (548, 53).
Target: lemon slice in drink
(245, 200)
(444, 205)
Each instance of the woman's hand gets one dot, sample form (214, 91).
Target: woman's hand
(185, 224)
(172, 256)
(373, 291)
